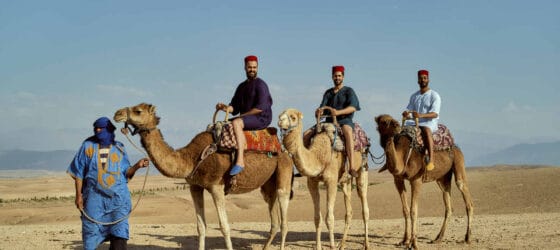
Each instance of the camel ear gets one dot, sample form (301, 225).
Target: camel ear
(300, 115)
(152, 109)
(378, 119)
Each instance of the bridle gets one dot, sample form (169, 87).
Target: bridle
(135, 129)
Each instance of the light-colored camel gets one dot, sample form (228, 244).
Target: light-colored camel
(321, 163)
(447, 164)
(272, 174)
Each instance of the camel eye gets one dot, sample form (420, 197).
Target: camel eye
(137, 112)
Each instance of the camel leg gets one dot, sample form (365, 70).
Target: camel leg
(461, 182)
(401, 188)
(284, 200)
(217, 192)
(284, 190)
(197, 194)
(444, 184)
(332, 187)
(362, 185)
(268, 190)
(347, 191)
(313, 187)
(415, 186)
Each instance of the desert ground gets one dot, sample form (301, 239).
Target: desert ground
(516, 207)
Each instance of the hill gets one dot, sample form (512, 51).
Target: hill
(56, 161)
(17, 159)
(523, 154)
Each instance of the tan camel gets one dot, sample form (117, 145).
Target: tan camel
(320, 163)
(272, 174)
(448, 163)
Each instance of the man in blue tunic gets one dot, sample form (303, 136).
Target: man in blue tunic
(253, 103)
(345, 102)
(425, 105)
(101, 171)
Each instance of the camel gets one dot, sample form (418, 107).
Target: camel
(273, 174)
(320, 163)
(448, 163)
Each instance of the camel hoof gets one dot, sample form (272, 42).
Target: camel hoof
(403, 243)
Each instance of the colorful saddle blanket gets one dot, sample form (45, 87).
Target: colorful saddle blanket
(361, 141)
(265, 140)
(443, 140)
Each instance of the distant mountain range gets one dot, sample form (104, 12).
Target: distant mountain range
(546, 153)
(521, 154)
(56, 161)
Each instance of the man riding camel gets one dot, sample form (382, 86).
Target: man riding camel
(253, 103)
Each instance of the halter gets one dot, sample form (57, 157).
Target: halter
(291, 126)
(136, 130)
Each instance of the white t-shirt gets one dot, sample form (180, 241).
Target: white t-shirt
(425, 103)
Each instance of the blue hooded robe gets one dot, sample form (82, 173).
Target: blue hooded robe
(105, 192)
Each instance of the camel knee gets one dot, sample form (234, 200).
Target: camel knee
(460, 184)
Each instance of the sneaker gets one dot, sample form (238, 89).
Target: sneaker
(430, 166)
(236, 169)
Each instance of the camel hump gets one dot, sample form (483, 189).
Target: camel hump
(262, 141)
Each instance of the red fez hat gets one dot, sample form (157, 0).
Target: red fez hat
(338, 68)
(423, 72)
(251, 58)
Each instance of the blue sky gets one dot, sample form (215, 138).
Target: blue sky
(65, 63)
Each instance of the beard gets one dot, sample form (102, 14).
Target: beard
(251, 75)
(337, 82)
(423, 84)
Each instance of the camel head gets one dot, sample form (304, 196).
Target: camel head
(142, 117)
(290, 119)
(387, 127)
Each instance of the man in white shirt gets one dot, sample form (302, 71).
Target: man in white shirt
(425, 105)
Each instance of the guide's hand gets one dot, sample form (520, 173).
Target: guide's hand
(79, 202)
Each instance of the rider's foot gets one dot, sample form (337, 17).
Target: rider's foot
(236, 169)
(430, 166)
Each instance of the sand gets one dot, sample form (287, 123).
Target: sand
(515, 208)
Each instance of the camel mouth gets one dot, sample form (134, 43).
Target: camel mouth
(120, 116)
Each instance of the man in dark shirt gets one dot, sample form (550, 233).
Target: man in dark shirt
(344, 101)
(253, 103)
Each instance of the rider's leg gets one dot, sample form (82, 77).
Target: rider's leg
(430, 143)
(238, 126)
(349, 147)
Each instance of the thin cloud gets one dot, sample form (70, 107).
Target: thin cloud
(122, 90)
(512, 107)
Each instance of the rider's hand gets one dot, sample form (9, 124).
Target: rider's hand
(405, 114)
(318, 112)
(220, 106)
(415, 114)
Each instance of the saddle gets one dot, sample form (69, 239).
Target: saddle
(361, 141)
(443, 140)
(261, 141)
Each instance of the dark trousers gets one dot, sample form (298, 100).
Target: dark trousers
(117, 243)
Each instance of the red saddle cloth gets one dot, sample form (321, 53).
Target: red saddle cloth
(443, 140)
(264, 140)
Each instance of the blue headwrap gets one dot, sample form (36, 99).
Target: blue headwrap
(106, 136)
